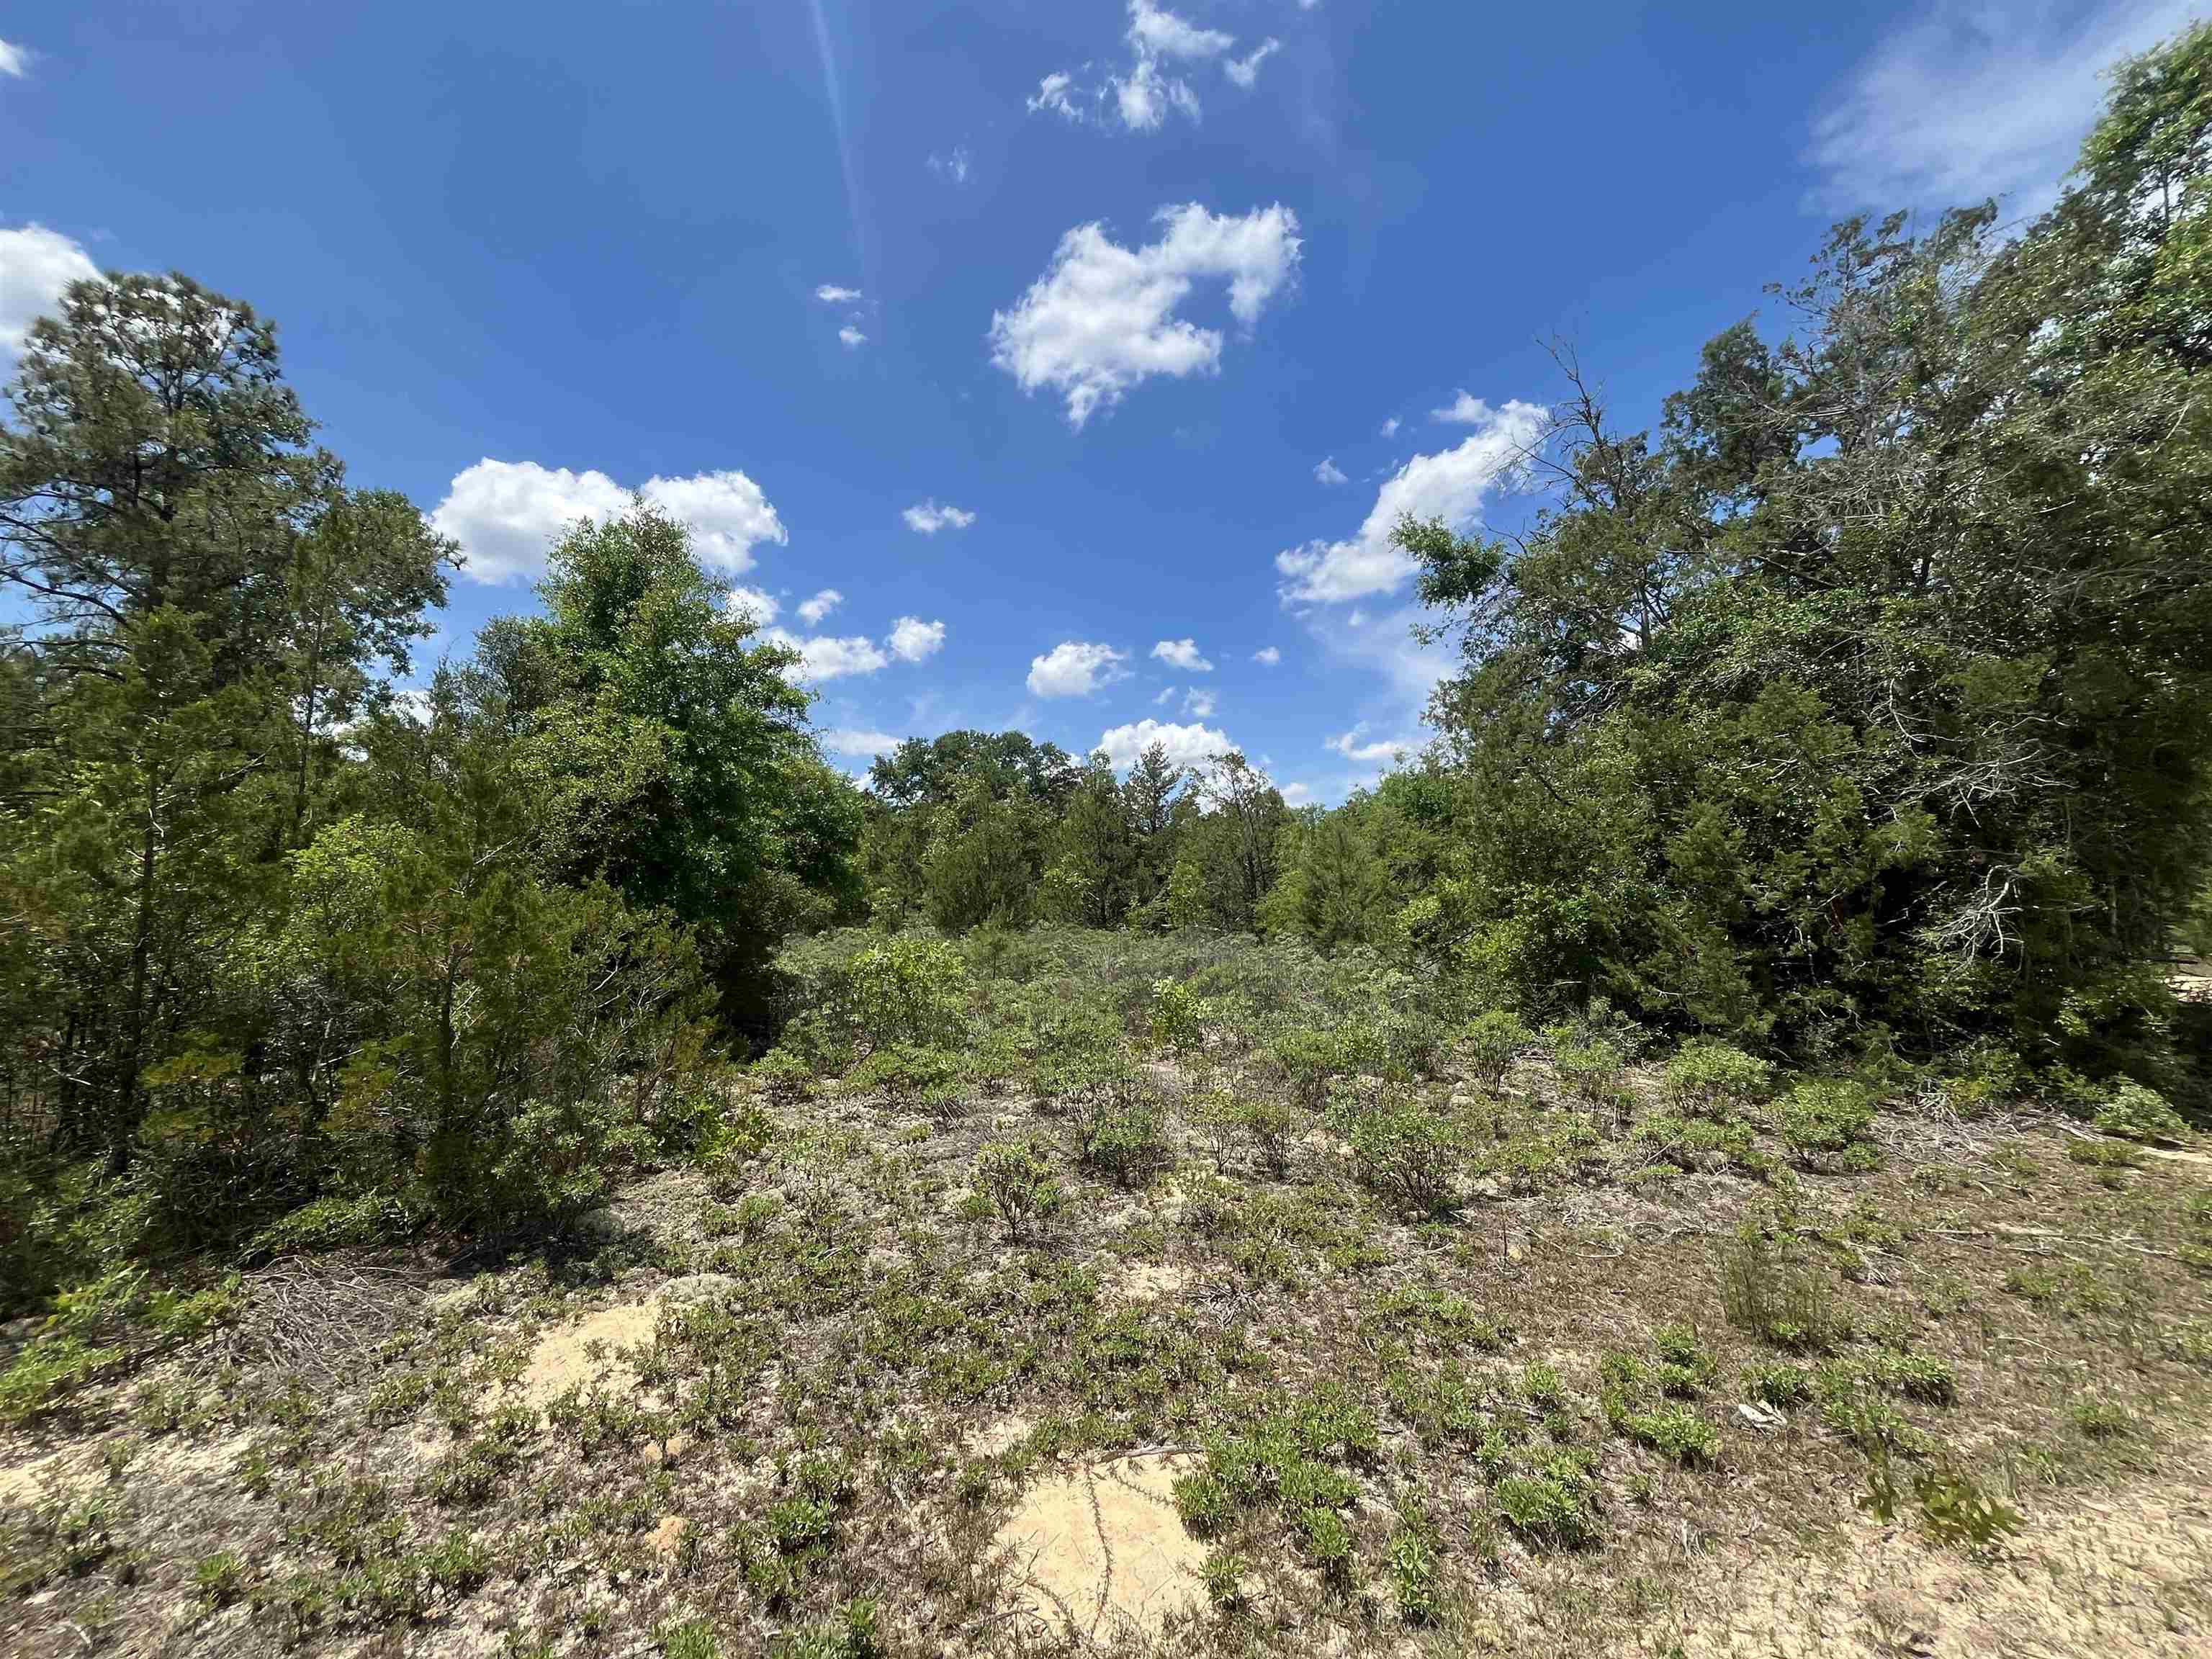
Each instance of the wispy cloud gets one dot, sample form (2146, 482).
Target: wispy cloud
(1969, 100)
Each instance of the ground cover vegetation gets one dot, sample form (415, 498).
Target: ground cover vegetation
(546, 1162)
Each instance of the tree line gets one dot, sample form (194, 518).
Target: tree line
(1862, 705)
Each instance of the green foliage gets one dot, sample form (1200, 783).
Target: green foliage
(2140, 1114)
(1179, 1017)
(1408, 1151)
(1015, 1181)
(1956, 1510)
(932, 1079)
(1491, 1042)
(1769, 1296)
(1827, 1118)
(1553, 1504)
(1591, 1072)
(1713, 1078)
(1122, 1131)
(910, 988)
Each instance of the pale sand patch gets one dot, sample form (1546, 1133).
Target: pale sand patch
(1148, 1281)
(563, 1357)
(25, 1483)
(1102, 1548)
(663, 1538)
(2131, 1575)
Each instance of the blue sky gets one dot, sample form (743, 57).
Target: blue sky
(1061, 342)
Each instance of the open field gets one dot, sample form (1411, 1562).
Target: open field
(1142, 1335)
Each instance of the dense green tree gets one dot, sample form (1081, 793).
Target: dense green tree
(1869, 701)
(672, 747)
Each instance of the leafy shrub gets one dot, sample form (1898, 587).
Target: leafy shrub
(1699, 1143)
(2137, 1113)
(1308, 1060)
(218, 1579)
(785, 1074)
(1179, 1017)
(1015, 1181)
(1916, 1375)
(1223, 1576)
(1675, 1432)
(1123, 1133)
(852, 1631)
(1778, 1384)
(1409, 1152)
(909, 988)
(930, 1078)
(1491, 1042)
(1823, 1117)
(1591, 1072)
(335, 1221)
(1953, 1508)
(1707, 1077)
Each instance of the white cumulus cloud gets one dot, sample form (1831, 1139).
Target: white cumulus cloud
(35, 265)
(1199, 703)
(1967, 100)
(820, 606)
(1390, 427)
(1351, 745)
(1452, 486)
(825, 657)
(1103, 317)
(912, 640)
(1076, 668)
(1186, 745)
(507, 514)
(14, 60)
(850, 740)
(830, 295)
(1183, 655)
(756, 602)
(1052, 94)
(851, 337)
(927, 518)
(1329, 472)
(1140, 94)
(1464, 410)
(1267, 656)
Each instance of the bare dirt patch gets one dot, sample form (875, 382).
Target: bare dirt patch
(2129, 1573)
(1101, 1549)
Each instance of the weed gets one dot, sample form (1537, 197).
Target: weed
(218, 1579)
(1492, 1043)
(1710, 1078)
(1767, 1296)
(1408, 1152)
(2140, 1114)
(1778, 1384)
(1224, 1575)
(1015, 1181)
(1413, 1567)
(1555, 1504)
(1825, 1120)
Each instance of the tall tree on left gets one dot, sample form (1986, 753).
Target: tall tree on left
(201, 600)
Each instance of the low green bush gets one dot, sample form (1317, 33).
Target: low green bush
(2137, 1113)
(1827, 1119)
(1409, 1152)
(1492, 1043)
(1709, 1077)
